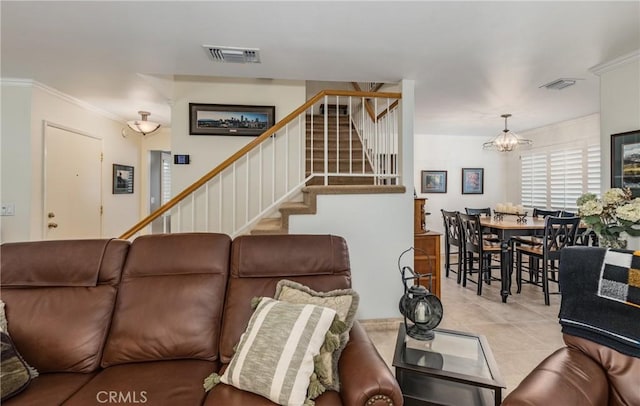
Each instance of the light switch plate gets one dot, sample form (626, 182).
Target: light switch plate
(8, 209)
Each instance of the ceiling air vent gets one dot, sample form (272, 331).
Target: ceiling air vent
(559, 84)
(233, 55)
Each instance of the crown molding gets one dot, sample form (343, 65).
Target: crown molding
(18, 82)
(615, 63)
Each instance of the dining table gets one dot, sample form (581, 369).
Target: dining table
(506, 227)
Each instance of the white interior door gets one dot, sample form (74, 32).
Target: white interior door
(72, 184)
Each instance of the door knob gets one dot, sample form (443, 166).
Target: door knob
(51, 215)
(52, 225)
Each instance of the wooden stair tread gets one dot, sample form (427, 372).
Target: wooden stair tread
(268, 226)
(342, 180)
(353, 189)
(295, 208)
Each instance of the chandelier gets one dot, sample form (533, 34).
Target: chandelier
(507, 141)
(143, 126)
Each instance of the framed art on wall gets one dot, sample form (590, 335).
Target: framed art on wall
(230, 119)
(434, 181)
(472, 181)
(122, 179)
(625, 161)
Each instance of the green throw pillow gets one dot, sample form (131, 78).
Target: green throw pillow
(345, 303)
(33, 373)
(274, 358)
(14, 373)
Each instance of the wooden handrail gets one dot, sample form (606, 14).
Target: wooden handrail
(367, 105)
(385, 111)
(377, 87)
(246, 149)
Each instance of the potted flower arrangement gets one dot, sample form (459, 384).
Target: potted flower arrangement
(616, 213)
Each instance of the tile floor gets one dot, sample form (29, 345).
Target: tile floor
(521, 333)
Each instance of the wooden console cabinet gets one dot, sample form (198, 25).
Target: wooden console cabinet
(426, 257)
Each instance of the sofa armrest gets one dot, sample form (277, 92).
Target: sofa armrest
(365, 379)
(566, 377)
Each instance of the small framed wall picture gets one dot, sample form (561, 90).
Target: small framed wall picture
(122, 179)
(625, 161)
(472, 181)
(433, 182)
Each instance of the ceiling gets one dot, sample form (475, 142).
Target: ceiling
(471, 61)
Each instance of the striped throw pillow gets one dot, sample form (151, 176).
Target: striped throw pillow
(345, 303)
(274, 358)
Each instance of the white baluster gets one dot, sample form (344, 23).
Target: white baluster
(326, 141)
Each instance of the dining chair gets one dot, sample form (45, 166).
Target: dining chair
(483, 212)
(585, 237)
(559, 232)
(536, 239)
(452, 239)
(474, 243)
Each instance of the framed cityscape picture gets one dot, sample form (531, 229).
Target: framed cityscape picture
(230, 119)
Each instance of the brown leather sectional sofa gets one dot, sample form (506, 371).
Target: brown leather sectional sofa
(113, 322)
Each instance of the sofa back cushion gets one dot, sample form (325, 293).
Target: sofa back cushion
(170, 299)
(259, 262)
(59, 299)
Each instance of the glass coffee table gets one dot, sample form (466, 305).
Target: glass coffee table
(454, 368)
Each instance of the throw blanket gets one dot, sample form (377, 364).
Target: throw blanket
(601, 297)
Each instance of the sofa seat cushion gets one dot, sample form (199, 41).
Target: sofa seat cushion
(50, 389)
(227, 395)
(151, 383)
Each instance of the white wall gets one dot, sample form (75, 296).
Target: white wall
(16, 161)
(313, 87)
(120, 211)
(209, 151)
(619, 106)
(451, 154)
(375, 230)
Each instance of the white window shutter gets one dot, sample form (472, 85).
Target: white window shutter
(556, 179)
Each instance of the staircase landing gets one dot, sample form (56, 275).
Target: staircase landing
(280, 225)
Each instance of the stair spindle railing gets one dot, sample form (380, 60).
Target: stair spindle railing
(296, 151)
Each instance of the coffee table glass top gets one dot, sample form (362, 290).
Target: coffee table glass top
(464, 357)
(448, 352)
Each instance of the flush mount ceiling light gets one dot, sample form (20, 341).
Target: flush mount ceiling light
(507, 141)
(143, 126)
(233, 54)
(560, 84)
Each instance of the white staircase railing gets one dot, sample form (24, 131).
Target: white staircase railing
(352, 140)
